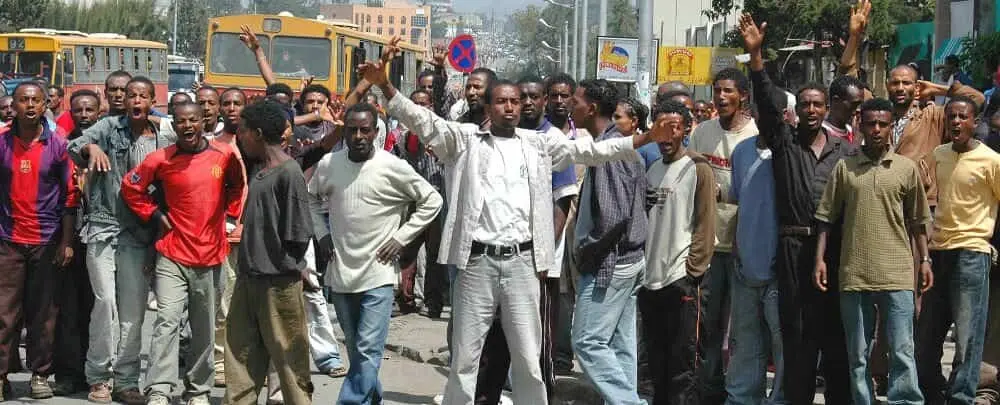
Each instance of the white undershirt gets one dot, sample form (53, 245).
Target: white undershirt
(507, 204)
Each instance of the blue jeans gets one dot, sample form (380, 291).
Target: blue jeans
(364, 317)
(604, 336)
(960, 295)
(716, 300)
(755, 333)
(896, 312)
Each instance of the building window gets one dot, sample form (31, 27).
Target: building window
(391, 31)
(392, 19)
(368, 18)
(379, 31)
(402, 20)
(369, 29)
(379, 19)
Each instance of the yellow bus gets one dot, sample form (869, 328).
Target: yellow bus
(297, 48)
(74, 60)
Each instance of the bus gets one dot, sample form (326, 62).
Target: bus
(183, 74)
(75, 60)
(300, 47)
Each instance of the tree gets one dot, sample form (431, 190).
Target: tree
(980, 58)
(298, 8)
(192, 25)
(135, 19)
(18, 14)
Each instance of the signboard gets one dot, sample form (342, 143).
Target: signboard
(462, 53)
(693, 65)
(618, 58)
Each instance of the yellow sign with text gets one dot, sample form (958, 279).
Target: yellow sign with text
(693, 65)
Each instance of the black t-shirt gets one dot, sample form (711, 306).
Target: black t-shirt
(277, 225)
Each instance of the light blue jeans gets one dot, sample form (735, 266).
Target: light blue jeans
(604, 336)
(364, 317)
(896, 310)
(755, 334)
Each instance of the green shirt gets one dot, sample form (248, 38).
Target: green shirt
(878, 201)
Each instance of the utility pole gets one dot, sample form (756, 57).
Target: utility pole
(566, 66)
(583, 43)
(576, 40)
(645, 50)
(173, 42)
(603, 18)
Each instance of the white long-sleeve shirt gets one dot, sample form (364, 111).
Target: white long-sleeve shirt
(367, 202)
(465, 151)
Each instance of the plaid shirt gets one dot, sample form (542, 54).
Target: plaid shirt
(614, 230)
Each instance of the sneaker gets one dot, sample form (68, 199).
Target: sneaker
(130, 396)
(438, 399)
(505, 398)
(337, 372)
(40, 388)
(220, 379)
(157, 398)
(151, 303)
(198, 400)
(66, 388)
(100, 393)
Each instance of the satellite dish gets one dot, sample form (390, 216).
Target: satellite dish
(285, 14)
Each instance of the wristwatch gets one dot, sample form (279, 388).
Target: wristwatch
(925, 259)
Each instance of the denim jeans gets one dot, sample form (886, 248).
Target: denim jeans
(364, 317)
(755, 334)
(716, 325)
(896, 312)
(604, 336)
(960, 295)
(322, 340)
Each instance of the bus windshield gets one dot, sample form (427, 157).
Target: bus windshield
(182, 77)
(230, 56)
(26, 64)
(301, 57)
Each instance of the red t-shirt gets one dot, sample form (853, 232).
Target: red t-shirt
(65, 122)
(201, 189)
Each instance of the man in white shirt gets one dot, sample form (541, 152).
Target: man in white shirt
(369, 192)
(499, 187)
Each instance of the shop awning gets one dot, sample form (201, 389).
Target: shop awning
(950, 46)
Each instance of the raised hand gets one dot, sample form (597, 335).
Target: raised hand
(390, 50)
(663, 131)
(305, 81)
(374, 72)
(859, 17)
(753, 36)
(439, 55)
(249, 38)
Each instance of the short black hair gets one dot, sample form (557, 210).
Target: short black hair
(363, 108)
(191, 104)
(966, 100)
(268, 117)
(488, 95)
(812, 86)
(840, 85)
(560, 78)
(736, 75)
(117, 74)
(28, 83)
(206, 87)
(672, 107)
(179, 94)
(907, 66)
(491, 76)
(59, 90)
(876, 104)
(529, 79)
(421, 91)
(84, 93)
(279, 88)
(638, 111)
(313, 88)
(671, 94)
(425, 73)
(144, 80)
(603, 93)
(233, 89)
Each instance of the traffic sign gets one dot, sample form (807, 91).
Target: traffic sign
(462, 53)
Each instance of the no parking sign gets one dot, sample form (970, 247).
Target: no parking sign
(462, 53)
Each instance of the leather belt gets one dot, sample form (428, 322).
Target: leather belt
(500, 251)
(795, 230)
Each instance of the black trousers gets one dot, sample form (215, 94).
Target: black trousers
(494, 363)
(671, 319)
(75, 301)
(810, 323)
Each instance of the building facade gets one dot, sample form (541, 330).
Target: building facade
(391, 17)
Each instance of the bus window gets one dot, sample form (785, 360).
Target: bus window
(135, 61)
(341, 65)
(27, 64)
(357, 57)
(301, 57)
(230, 56)
(396, 72)
(58, 71)
(107, 59)
(124, 59)
(68, 64)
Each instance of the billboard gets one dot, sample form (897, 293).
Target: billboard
(618, 58)
(693, 65)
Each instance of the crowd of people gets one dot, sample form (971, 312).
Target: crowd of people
(832, 236)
